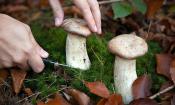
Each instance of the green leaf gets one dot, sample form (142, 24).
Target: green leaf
(121, 9)
(140, 5)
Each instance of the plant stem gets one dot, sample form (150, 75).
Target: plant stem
(108, 1)
(162, 92)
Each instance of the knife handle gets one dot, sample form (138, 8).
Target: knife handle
(48, 62)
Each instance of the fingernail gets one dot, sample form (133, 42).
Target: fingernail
(44, 54)
(99, 31)
(57, 22)
(95, 28)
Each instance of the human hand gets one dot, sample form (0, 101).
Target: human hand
(89, 8)
(18, 46)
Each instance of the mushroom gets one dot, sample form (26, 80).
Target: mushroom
(76, 53)
(127, 48)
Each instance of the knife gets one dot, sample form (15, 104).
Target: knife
(53, 63)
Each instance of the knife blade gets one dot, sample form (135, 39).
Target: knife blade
(55, 64)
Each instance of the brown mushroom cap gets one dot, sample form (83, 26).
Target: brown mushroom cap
(128, 46)
(76, 26)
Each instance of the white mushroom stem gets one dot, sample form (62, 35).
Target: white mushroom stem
(124, 76)
(76, 53)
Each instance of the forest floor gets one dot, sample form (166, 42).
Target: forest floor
(158, 32)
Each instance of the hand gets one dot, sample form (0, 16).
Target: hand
(89, 8)
(18, 46)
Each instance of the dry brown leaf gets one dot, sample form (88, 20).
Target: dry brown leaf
(35, 16)
(172, 70)
(153, 6)
(169, 24)
(40, 103)
(98, 88)
(163, 64)
(131, 23)
(173, 100)
(141, 87)
(62, 1)
(16, 8)
(80, 97)
(44, 4)
(72, 10)
(58, 100)
(28, 91)
(143, 101)
(166, 42)
(102, 101)
(169, 94)
(114, 99)
(167, 102)
(3, 75)
(18, 77)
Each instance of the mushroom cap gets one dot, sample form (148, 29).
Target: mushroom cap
(128, 46)
(76, 26)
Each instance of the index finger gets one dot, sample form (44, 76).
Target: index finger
(96, 14)
(85, 8)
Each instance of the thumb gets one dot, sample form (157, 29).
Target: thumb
(58, 11)
(35, 62)
(39, 49)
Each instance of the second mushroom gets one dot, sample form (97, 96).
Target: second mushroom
(127, 48)
(76, 53)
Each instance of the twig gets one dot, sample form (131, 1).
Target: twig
(162, 92)
(28, 97)
(98, 57)
(53, 93)
(4, 83)
(38, 93)
(108, 1)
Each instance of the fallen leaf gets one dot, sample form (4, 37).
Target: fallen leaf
(153, 6)
(62, 1)
(102, 101)
(143, 101)
(167, 102)
(40, 103)
(114, 99)
(172, 70)
(44, 4)
(173, 100)
(35, 16)
(28, 91)
(58, 100)
(16, 8)
(33, 3)
(141, 87)
(80, 97)
(169, 24)
(168, 94)
(72, 10)
(131, 23)
(163, 64)
(18, 77)
(3, 75)
(98, 88)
